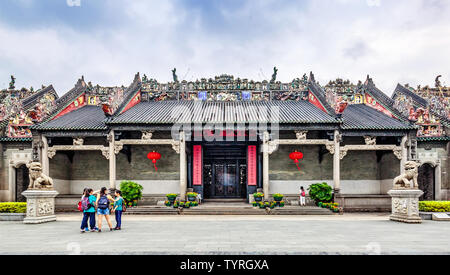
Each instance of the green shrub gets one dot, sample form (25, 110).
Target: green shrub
(320, 192)
(258, 195)
(13, 207)
(131, 191)
(434, 206)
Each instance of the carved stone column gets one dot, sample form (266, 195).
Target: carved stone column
(44, 155)
(112, 161)
(404, 154)
(266, 179)
(337, 162)
(183, 166)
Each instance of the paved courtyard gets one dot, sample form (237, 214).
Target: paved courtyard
(348, 234)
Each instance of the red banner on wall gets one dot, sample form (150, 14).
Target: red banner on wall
(198, 166)
(251, 166)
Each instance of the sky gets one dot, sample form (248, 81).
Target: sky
(45, 42)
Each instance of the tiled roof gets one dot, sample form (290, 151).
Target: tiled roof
(221, 112)
(8, 139)
(33, 100)
(320, 94)
(385, 100)
(363, 117)
(419, 100)
(85, 118)
(424, 139)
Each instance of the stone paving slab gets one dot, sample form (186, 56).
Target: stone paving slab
(237, 235)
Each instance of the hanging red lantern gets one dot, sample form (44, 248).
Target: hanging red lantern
(296, 156)
(154, 157)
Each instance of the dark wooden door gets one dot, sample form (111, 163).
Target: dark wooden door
(223, 179)
(426, 182)
(22, 182)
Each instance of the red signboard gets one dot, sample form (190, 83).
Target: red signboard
(198, 166)
(251, 166)
(78, 103)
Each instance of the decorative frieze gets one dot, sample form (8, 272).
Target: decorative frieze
(147, 135)
(301, 135)
(370, 140)
(397, 150)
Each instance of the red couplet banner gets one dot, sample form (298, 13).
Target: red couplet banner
(198, 165)
(251, 166)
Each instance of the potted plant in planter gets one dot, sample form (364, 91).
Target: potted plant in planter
(258, 196)
(321, 193)
(282, 204)
(187, 204)
(255, 204)
(192, 196)
(176, 204)
(278, 197)
(171, 197)
(181, 204)
(131, 192)
(273, 204)
(261, 205)
(168, 203)
(194, 204)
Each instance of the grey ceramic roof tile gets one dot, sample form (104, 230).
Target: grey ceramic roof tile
(363, 117)
(85, 118)
(168, 112)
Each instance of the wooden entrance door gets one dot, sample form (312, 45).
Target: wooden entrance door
(224, 179)
(22, 182)
(426, 182)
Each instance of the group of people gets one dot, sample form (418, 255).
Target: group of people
(99, 202)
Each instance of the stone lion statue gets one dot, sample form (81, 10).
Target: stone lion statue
(37, 179)
(409, 179)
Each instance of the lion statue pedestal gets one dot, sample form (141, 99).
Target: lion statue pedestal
(405, 196)
(40, 197)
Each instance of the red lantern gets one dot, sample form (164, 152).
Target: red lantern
(154, 156)
(296, 156)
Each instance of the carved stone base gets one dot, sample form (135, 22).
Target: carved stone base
(40, 206)
(405, 206)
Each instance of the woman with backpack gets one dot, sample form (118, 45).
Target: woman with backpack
(103, 203)
(88, 208)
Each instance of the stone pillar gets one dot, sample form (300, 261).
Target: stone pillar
(337, 163)
(44, 155)
(183, 166)
(266, 178)
(404, 154)
(112, 161)
(405, 205)
(40, 206)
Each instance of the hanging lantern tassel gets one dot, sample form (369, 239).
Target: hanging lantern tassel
(296, 156)
(154, 157)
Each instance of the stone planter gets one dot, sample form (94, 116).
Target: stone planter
(258, 199)
(12, 217)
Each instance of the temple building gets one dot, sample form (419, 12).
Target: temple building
(226, 138)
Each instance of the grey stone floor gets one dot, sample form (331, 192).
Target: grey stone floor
(181, 235)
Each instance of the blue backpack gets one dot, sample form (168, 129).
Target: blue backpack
(103, 202)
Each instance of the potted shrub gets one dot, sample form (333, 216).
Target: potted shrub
(171, 197)
(176, 204)
(255, 204)
(131, 192)
(181, 204)
(320, 192)
(282, 204)
(258, 196)
(168, 203)
(192, 196)
(194, 204)
(273, 204)
(262, 205)
(278, 197)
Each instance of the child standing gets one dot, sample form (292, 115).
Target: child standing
(118, 209)
(302, 196)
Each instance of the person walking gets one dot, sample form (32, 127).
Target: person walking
(103, 204)
(118, 209)
(302, 196)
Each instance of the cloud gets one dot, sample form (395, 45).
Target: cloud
(109, 41)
